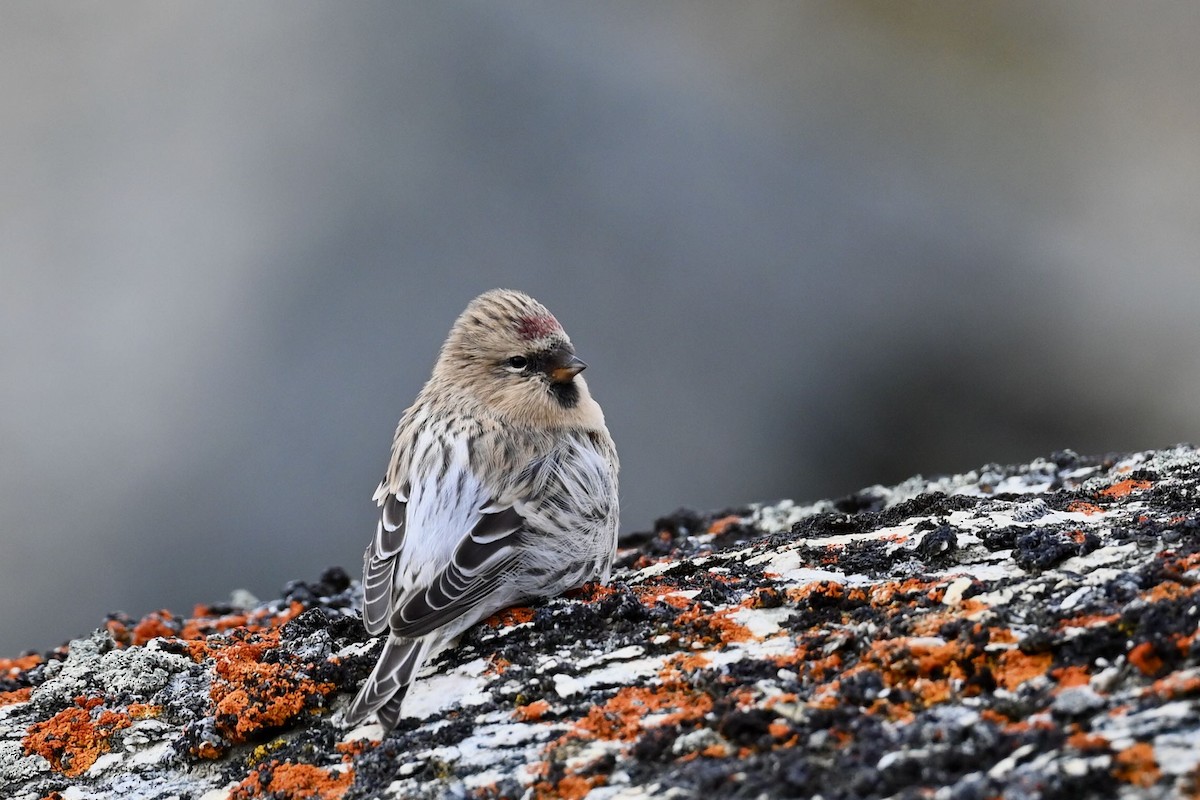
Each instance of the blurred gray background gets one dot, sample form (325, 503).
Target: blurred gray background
(805, 247)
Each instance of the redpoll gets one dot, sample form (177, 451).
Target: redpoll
(502, 488)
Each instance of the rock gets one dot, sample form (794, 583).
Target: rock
(1021, 631)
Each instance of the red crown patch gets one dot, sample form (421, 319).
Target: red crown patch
(539, 327)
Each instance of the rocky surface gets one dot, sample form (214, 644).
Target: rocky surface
(1013, 632)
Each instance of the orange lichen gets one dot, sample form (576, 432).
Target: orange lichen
(644, 561)
(714, 625)
(778, 729)
(1146, 659)
(497, 664)
(143, 710)
(1015, 667)
(571, 787)
(355, 748)
(1024, 726)
(671, 599)
(154, 625)
(903, 659)
(763, 597)
(931, 624)
(1074, 675)
(888, 592)
(923, 668)
(776, 699)
(812, 665)
(1124, 488)
(12, 667)
(591, 592)
(1189, 784)
(249, 694)
(675, 667)
(936, 654)
(1002, 636)
(119, 631)
(288, 781)
(510, 617)
(934, 671)
(207, 750)
(1088, 620)
(743, 696)
(823, 590)
(202, 623)
(832, 553)
(1081, 507)
(993, 716)
(15, 696)
(74, 738)
(1168, 590)
(1184, 643)
(1087, 741)
(1184, 564)
(1175, 686)
(723, 524)
(532, 712)
(622, 717)
(1136, 765)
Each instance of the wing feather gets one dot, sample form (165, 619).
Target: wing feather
(379, 563)
(396, 668)
(478, 567)
(379, 575)
(390, 533)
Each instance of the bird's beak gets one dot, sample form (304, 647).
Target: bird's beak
(565, 368)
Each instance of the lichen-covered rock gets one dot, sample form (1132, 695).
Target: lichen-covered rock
(1016, 632)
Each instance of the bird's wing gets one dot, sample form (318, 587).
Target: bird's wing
(440, 546)
(479, 564)
(379, 561)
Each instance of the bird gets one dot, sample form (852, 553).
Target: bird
(501, 489)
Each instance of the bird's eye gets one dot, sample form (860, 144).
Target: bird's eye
(517, 363)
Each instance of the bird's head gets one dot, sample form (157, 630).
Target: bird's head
(508, 352)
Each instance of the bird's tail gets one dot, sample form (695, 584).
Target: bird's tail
(385, 688)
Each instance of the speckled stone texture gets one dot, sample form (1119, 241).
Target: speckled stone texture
(1016, 632)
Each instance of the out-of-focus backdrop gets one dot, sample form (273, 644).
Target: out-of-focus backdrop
(805, 247)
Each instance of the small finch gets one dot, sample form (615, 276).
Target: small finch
(502, 488)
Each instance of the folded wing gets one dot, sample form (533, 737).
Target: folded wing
(379, 564)
(478, 566)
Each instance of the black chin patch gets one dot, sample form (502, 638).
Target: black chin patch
(567, 394)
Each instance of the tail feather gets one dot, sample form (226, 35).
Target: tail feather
(387, 684)
(388, 714)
